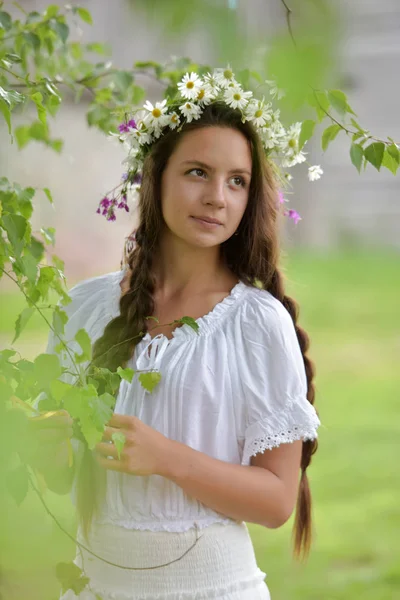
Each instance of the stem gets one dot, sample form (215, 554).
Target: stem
(288, 21)
(43, 316)
(82, 547)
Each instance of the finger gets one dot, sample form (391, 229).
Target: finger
(112, 465)
(106, 449)
(109, 432)
(121, 421)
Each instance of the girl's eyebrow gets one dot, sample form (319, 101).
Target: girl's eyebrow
(209, 168)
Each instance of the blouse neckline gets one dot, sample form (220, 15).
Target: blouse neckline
(208, 322)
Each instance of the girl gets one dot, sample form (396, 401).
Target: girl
(221, 439)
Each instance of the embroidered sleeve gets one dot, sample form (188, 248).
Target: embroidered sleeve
(273, 379)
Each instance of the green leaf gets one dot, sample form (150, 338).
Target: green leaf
(98, 48)
(32, 40)
(29, 267)
(329, 135)
(150, 380)
(319, 100)
(83, 339)
(357, 126)
(191, 322)
(119, 441)
(339, 101)
(46, 278)
(374, 154)
(71, 577)
(60, 319)
(122, 80)
(389, 162)
(5, 21)
(37, 98)
(16, 227)
(126, 374)
(21, 321)
(11, 97)
(6, 113)
(47, 368)
(51, 11)
(102, 410)
(356, 155)
(394, 152)
(85, 15)
(307, 130)
(18, 483)
(61, 29)
(49, 235)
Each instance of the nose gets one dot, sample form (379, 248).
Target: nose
(216, 192)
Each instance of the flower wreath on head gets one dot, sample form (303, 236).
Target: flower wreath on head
(194, 93)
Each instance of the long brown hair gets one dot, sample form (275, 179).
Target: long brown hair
(252, 255)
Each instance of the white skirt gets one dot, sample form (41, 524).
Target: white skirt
(221, 565)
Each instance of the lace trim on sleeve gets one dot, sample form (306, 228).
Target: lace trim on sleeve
(299, 422)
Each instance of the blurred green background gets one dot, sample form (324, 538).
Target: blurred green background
(349, 306)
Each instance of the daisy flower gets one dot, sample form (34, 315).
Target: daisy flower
(314, 173)
(258, 113)
(189, 86)
(224, 77)
(190, 111)
(211, 80)
(174, 120)
(205, 94)
(140, 136)
(236, 97)
(156, 114)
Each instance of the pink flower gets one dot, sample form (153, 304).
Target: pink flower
(292, 214)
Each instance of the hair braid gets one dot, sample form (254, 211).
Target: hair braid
(302, 527)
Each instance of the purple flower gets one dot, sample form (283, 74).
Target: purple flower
(292, 214)
(124, 176)
(105, 203)
(111, 216)
(281, 199)
(123, 128)
(98, 211)
(138, 178)
(132, 124)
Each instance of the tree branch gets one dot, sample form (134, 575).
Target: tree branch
(288, 20)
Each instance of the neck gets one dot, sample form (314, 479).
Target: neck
(181, 268)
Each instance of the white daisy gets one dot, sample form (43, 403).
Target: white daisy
(211, 80)
(174, 120)
(224, 77)
(205, 94)
(190, 111)
(258, 113)
(156, 114)
(291, 161)
(314, 173)
(189, 86)
(140, 135)
(236, 97)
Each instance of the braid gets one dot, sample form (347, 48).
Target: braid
(114, 349)
(302, 526)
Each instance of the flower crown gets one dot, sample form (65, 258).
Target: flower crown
(194, 93)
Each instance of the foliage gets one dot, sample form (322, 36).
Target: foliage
(39, 68)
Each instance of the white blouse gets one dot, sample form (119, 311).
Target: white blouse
(235, 388)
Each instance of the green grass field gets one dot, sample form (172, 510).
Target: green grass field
(350, 308)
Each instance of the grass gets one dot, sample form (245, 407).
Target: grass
(349, 306)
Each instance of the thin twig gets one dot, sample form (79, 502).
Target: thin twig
(82, 547)
(288, 20)
(43, 316)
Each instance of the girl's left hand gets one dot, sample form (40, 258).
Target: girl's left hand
(146, 450)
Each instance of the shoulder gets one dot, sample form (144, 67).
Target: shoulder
(264, 316)
(94, 302)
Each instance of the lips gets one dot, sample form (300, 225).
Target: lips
(209, 220)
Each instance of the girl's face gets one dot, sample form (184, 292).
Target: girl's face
(207, 177)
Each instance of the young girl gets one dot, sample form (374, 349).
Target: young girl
(221, 439)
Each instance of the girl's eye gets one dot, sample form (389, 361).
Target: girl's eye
(238, 181)
(197, 171)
